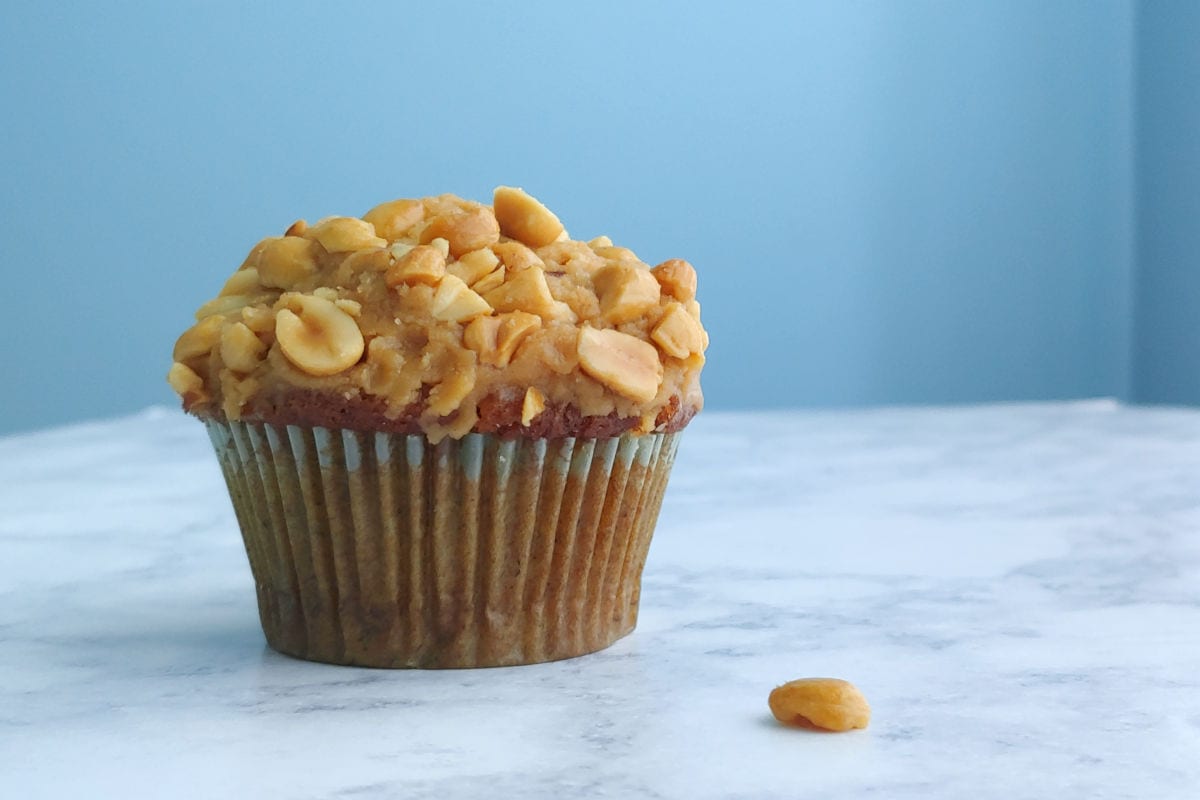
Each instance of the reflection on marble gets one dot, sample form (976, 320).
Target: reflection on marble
(1015, 588)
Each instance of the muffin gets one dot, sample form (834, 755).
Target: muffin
(446, 429)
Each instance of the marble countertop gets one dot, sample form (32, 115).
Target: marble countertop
(1016, 589)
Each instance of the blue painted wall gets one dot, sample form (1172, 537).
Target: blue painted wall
(888, 202)
(1167, 340)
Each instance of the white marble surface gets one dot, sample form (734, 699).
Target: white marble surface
(1015, 588)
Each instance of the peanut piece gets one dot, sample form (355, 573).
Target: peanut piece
(534, 404)
(474, 265)
(623, 363)
(617, 254)
(517, 256)
(199, 339)
(523, 218)
(297, 228)
(285, 262)
(600, 241)
(454, 301)
(828, 703)
(464, 231)
(489, 281)
(244, 281)
(625, 292)
(441, 245)
(184, 380)
(258, 319)
(241, 350)
(497, 338)
(317, 336)
(457, 383)
(345, 235)
(225, 304)
(525, 290)
(677, 278)
(395, 218)
(422, 264)
(400, 249)
(678, 333)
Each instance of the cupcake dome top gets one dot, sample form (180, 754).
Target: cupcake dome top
(445, 316)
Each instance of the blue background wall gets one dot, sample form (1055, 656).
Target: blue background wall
(888, 202)
(1167, 332)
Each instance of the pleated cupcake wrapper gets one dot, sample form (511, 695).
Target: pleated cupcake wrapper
(387, 550)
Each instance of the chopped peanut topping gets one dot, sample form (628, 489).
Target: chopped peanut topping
(626, 291)
(678, 333)
(199, 339)
(464, 231)
(450, 307)
(475, 265)
(184, 380)
(241, 350)
(244, 281)
(455, 302)
(345, 235)
(396, 218)
(677, 278)
(422, 264)
(316, 335)
(285, 262)
(524, 218)
(534, 404)
(623, 363)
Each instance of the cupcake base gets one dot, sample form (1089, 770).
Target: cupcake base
(385, 550)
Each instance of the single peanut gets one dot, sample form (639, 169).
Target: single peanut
(285, 262)
(489, 281)
(422, 264)
(534, 404)
(225, 304)
(525, 290)
(184, 380)
(496, 338)
(828, 703)
(244, 281)
(623, 363)
(345, 235)
(199, 339)
(517, 256)
(678, 333)
(626, 291)
(677, 278)
(523, 218)
(474, 265)
(317, 336)
(617, 254)
(241, 349)
(464, 231)
(393, 219)
(454, 301)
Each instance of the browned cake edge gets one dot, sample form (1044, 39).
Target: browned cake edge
(499, 414)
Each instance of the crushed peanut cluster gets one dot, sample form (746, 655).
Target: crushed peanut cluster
(444, 302)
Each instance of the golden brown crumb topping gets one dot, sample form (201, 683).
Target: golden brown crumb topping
(435, 308)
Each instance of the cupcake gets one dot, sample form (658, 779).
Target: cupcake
(446, 429)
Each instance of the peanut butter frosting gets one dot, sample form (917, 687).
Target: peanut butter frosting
(445, 316)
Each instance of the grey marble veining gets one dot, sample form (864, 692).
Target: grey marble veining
(1015, 588)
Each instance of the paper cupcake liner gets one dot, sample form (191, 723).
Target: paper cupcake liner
(386, 550)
